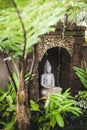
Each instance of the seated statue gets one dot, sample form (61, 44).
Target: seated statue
(48, 81)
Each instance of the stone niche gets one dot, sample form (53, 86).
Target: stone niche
(63, 53)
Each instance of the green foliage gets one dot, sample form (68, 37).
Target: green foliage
(59, 104)
(8, 116)
(81, 100)
(82, 74)
(81, 97)
(84, 94)
(34, 106)
(5, 4)
(56, 105)
(37, 22)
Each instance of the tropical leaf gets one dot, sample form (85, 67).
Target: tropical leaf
(84, 94)
(80, 72)
(53, 121)
(82, 75)
(60, 120)
(10, 125)
(1, 91)
(3, 96)
(34, 106)
(2, 107)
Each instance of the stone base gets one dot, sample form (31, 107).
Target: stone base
(53, 90)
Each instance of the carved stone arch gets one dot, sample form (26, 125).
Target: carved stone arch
(50, 41)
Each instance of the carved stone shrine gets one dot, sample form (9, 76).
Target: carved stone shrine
(64, 51)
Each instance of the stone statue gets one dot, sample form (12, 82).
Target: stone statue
(47, 80)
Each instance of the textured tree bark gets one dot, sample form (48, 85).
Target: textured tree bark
(23, 111)
(23, 99)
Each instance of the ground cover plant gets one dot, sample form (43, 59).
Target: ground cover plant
(8, 116)
(55, 107)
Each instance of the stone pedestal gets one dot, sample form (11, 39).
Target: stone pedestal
(46, 91)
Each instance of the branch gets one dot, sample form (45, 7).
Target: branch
(31, 72)
(33, 64)
(10, 72)
(16, 68)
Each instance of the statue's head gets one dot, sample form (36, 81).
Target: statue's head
(47, 68)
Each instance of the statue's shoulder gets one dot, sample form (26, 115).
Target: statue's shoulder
(43, 75)
(52, 74)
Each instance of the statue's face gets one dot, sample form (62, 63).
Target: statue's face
(48, 69)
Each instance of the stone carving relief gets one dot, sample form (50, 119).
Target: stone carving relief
(50, 41)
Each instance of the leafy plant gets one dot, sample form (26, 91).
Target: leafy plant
(82, 74)
(8, 116)
(56, 105)
(81, 100)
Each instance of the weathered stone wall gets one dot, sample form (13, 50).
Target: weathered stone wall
(3, 74)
